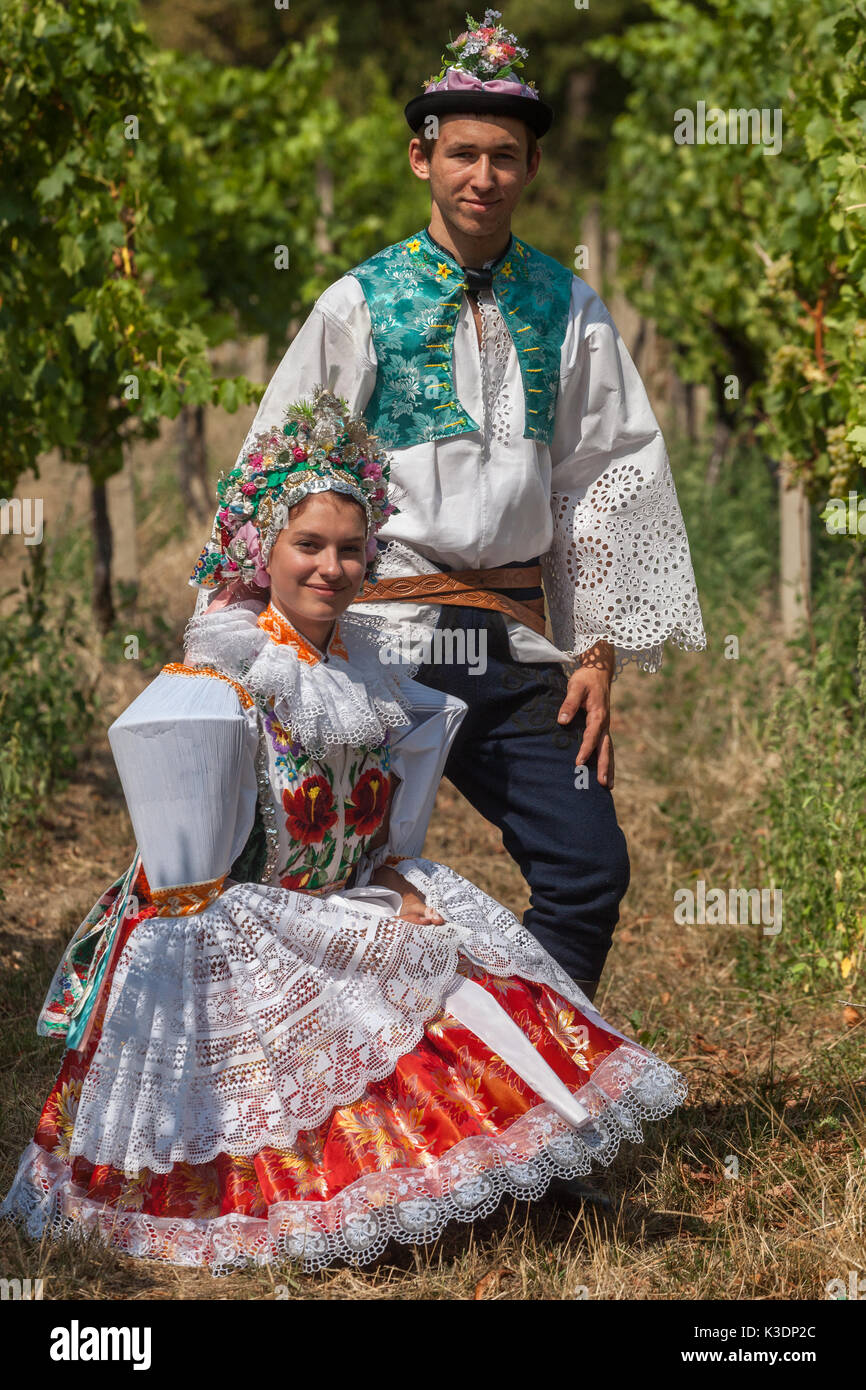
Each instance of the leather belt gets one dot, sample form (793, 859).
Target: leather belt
(466, 588)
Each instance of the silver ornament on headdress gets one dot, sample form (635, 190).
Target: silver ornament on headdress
(319, 424)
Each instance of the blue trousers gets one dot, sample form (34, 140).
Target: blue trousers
(516, 766)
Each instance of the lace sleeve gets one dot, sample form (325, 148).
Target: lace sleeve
(619, 566)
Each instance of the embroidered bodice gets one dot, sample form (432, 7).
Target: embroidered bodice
(323, 754)
(414, 291)
(323, 810)
(264, 759)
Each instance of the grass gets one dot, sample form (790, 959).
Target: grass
(755, 1188)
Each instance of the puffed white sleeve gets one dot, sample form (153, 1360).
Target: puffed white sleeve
(333, 347)
(619, 567)
(185, 750)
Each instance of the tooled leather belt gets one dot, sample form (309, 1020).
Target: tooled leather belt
(467, 588)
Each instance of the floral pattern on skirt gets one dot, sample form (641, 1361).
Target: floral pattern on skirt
(445, 1136)
(450, 1087)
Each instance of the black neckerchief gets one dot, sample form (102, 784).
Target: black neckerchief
(477, 277)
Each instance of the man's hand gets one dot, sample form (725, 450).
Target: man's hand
(589, 686)
(413, 908)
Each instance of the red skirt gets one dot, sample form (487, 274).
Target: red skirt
(451, 1131)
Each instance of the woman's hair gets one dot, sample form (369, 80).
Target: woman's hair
(331, 492)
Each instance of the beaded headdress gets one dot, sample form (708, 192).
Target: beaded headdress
(479, 74)
(320, 447)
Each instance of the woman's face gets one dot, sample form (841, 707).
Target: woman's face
(317, 562)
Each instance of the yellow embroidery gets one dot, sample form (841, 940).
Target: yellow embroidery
(177, 668)
(280, 630)
(336, 648)
(320, 892)
(188, 898)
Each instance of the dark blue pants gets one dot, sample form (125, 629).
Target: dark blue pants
(515, 765)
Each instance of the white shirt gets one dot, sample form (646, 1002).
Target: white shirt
(598, 505)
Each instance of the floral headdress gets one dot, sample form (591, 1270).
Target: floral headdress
(487, 49)
(320, 447)
(479, 74)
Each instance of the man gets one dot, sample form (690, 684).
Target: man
(523, 446)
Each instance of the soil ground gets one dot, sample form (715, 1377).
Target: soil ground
(754, 1189)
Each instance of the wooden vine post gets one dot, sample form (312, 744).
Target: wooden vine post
(795, 558)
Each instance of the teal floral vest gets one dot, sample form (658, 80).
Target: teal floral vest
(414, 290)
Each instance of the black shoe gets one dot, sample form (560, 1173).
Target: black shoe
(575, 1192)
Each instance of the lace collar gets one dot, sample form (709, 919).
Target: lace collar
(281, 631)
(324, 703)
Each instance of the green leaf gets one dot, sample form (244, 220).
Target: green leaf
(82, 326)
(227, 396)
(72, 256)
(53, 184)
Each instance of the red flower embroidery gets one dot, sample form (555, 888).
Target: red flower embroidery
(296, 881)
(369, 801)
(309, 810)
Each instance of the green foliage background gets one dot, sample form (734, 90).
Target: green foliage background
(128, 255)
(752, 263)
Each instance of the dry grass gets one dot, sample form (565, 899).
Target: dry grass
(781, 1094)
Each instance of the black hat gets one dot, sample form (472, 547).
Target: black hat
(480, 77)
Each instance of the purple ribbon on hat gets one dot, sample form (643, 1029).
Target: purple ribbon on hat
(456, 80)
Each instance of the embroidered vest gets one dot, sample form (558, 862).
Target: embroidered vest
(414, 290)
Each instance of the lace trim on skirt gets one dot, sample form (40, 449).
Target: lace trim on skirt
(235, 1029)
(411, 1206)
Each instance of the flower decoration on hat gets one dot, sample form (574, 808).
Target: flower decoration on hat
(479, 75)
(487, 49)
(320, 447)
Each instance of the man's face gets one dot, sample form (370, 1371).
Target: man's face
(478, 171)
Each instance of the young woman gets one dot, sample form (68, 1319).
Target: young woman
(288, 1033)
